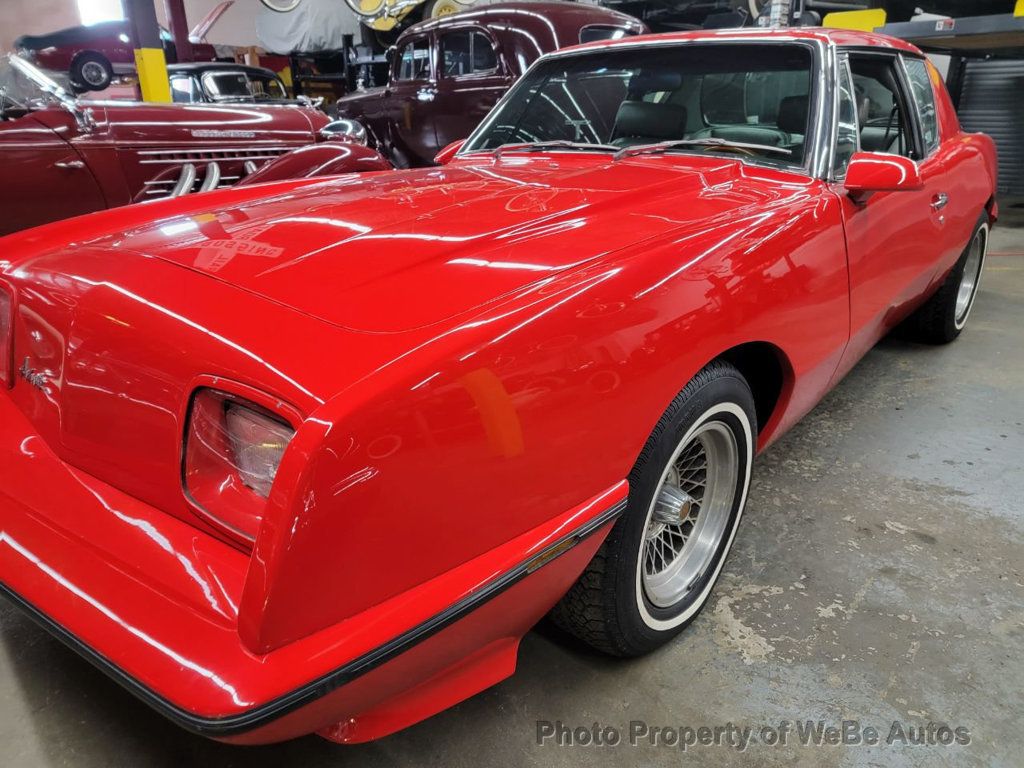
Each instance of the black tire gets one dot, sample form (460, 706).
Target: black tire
(939, 320)
(608, 607)
(91, 71)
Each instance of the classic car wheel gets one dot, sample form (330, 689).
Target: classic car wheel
(656, 569)
(944, 315)
(91, 71)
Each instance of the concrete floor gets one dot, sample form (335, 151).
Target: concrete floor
(877, 577)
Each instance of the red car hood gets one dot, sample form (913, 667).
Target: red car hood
(400, 250)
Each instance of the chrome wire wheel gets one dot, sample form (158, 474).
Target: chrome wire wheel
(690, 514)
(971, 277)
(94, 73)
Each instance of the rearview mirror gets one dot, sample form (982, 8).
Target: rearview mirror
(871, 172)
(445, 155)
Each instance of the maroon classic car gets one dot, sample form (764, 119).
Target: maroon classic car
(63, 156)
(447, 73)
(92, 54)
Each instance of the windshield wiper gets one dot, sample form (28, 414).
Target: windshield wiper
(668, 146)
(540, 146)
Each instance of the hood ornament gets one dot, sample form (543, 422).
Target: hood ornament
(37, 379)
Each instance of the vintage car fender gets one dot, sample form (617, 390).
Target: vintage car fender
(327, 159)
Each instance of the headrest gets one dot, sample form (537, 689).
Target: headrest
(793, 114)
(650, 121)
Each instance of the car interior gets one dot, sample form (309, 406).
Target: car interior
(721, 93)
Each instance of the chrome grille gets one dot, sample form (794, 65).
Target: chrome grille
(165, 164)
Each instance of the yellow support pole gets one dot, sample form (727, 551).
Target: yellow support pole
(1018, 9)
(150, 63)
(863, 21)
(152, 70)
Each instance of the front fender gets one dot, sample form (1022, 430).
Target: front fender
(327, 159)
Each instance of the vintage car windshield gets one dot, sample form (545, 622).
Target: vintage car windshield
(708, 97)
(24, 88)
(241, 86)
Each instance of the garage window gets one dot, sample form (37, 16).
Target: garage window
(467, 52)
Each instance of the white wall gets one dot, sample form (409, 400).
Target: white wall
(34, 17)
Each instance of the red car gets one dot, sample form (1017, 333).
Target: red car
(64, 157)
(314, 456)
(445, 74)
(91, 55)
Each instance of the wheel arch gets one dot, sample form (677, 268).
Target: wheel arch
(769, 373)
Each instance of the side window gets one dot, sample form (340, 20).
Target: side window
(847, 128)
(465, 52)
(484, 57)
(883, 106)
(924, 97)
(182, 90)
(414, 61)
(598, 32)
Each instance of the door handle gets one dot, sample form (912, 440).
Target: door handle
(940, 201)
(69, 164)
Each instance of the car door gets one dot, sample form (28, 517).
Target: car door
(49, 179)
(471, 78)
(409, 102)
(895, 240)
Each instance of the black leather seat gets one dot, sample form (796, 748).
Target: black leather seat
(646, 122)
(793, 115)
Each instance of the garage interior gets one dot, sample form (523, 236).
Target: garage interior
(878, 575)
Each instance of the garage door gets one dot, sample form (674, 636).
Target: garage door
(990, 102)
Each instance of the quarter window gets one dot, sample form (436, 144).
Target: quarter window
(924, 97)
(414, 62)
(847, 128)
(467, 52)
(183, 90)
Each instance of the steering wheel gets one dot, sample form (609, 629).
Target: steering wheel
(728, 148)
(281, 6)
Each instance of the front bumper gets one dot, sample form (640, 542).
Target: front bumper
(154, 603)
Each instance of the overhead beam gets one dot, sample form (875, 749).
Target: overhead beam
(150, 63)
(179, 29)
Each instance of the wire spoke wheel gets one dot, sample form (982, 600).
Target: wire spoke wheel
(689, 514)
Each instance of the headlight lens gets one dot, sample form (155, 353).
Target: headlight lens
(232, 453)
(6, 337)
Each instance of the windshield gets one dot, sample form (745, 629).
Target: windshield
(713, 95)
(241, 86)
(24, 88)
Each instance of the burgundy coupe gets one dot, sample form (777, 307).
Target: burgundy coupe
(315, 455)
(63, 156)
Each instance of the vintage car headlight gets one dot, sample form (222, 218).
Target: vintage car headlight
(6, 337)
(232, 451)
(345, 130)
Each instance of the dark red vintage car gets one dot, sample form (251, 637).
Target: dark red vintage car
(447, 73)
(315, 455)
(91, 55)
(64, 157)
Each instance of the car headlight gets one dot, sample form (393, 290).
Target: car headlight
(233, 449)
(6, 336)
(345, 130)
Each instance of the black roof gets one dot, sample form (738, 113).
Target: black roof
(202, 67)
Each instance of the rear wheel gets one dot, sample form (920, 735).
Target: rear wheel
(655, 571)
(944, 315)
(91, 71)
